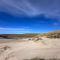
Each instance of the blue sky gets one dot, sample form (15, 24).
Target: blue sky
(29, 16)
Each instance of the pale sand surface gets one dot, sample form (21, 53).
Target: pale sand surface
(20, 50)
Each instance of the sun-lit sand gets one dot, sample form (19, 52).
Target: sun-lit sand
(20, 50)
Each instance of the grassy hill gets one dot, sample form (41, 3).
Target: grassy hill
(54, 34)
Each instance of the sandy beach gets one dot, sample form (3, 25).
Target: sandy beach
(20, 50)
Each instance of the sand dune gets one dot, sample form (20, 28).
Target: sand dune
(20, 50)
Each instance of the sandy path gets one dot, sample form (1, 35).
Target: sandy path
(30, 49)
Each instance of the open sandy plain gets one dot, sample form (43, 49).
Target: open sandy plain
(25, 50)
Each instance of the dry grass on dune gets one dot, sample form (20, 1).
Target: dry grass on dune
(41, 59)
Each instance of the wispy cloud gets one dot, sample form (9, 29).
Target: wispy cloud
(14, 30)
(31, 7)
(18, 7)
(55, 24)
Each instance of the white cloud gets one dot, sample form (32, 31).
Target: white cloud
(31, 7)
(14, 30)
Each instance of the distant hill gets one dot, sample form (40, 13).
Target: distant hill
(12, 36)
